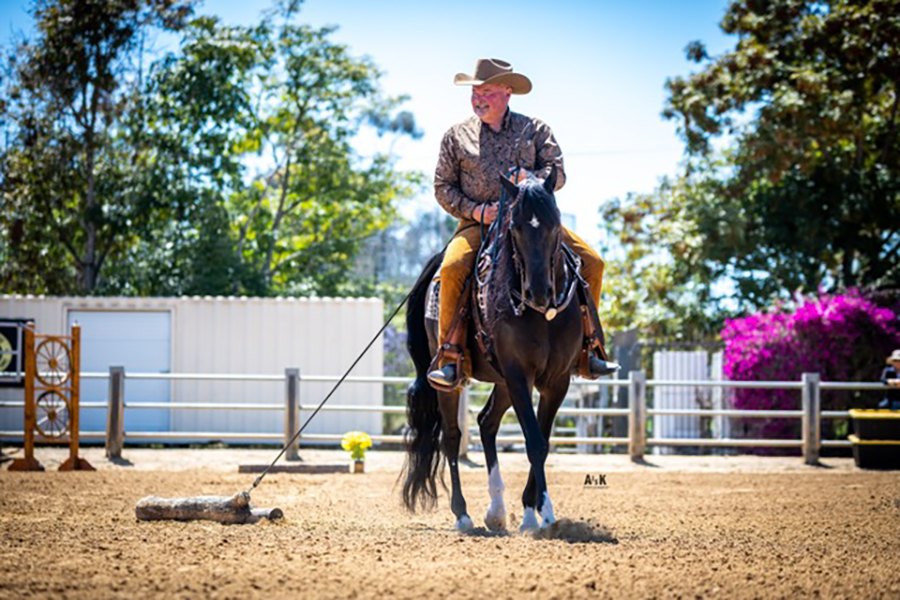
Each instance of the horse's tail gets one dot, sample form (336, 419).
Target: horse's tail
(423, 458)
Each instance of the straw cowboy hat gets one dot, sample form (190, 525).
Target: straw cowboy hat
(895, 356)
(496, 72)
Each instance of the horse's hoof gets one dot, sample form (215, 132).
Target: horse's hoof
(495, 521)
(464, 523)
(529, 521)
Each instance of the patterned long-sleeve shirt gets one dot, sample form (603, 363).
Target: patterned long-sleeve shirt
(473, 156)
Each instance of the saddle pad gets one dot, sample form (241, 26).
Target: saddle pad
(433, 299)
(483, 269)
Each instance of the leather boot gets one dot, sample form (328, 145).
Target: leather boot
(446, 376)
(601, 367)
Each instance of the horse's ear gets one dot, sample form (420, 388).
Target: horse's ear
(511, 189)
(550, 182)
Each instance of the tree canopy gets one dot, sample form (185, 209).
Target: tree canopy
(224, 167)
(68, 164)
(792, 166)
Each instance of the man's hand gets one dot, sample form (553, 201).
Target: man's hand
(489, 210)
(522, 175)
(893, 382)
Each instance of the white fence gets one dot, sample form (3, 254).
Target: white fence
(637, 412)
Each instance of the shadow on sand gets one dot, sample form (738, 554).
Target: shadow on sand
(465, 460)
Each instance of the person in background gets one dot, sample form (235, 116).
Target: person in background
(891, 378)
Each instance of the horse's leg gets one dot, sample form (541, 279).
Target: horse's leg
(449, 404)
(552, 398)
(536, 446)
(489, 423)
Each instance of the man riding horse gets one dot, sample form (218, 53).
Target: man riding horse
(466, 185)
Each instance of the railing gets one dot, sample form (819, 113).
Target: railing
(637, 412)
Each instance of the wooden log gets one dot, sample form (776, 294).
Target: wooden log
(224, 509)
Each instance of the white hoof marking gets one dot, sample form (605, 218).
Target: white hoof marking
(495, 519)
(464, 523)
(547, 512)
(529, 520)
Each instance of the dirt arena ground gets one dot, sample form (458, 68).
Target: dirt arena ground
(675, 527)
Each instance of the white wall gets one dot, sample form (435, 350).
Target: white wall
(241, 335)
(138, 340)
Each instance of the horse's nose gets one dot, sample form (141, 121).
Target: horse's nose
(542, 301)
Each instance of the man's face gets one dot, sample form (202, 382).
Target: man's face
(489, 102)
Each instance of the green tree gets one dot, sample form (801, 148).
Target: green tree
(67, 170)
(198, 119)
(657, 278)
(300, 224)
(397, 254)
(150, 191)
(289, 98)
(809, 195)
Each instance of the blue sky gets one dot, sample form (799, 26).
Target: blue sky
(598, 70)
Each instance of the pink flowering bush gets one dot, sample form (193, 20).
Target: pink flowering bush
(841, 337)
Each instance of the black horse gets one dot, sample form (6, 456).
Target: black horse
(537, 340)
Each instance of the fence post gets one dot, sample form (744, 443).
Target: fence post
(115, 413)
(628, 355)
(463, 419)
(582, 426)
(812, 418)
(637, 426)
(292, 413)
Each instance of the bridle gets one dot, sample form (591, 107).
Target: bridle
(559, 301)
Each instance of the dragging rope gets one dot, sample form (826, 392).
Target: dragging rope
(237, 509)
(347, 372)
(331, 393)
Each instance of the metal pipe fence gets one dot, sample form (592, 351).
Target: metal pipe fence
(810, 413)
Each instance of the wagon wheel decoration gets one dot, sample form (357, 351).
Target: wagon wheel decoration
(52, 362)
(52, 414)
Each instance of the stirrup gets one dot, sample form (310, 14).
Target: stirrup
(454, 355)
(446, 378)
(594, 362)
